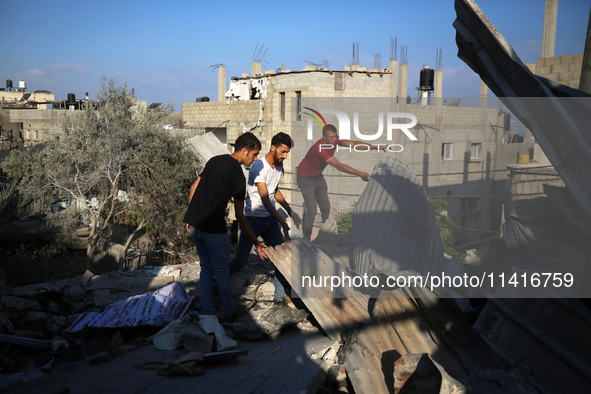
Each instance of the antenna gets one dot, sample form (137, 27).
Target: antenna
(325, 64)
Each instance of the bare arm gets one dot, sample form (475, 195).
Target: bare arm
(191, 193)
(281, 200)
(349, 170)
(264, 194)
(193, 188)
(239, 210)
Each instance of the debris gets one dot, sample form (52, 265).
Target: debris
(418, 373)
(211, 325)
(184, 332)
(24, 341)
(159, 308)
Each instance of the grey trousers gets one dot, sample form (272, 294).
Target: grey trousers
(315, 193)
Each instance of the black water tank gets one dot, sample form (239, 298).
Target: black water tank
(9, 84)
(205, 99)
(427, 78)
(71, 98)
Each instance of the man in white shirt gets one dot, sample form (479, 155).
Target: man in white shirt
(262, 191)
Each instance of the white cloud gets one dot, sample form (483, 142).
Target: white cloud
(75, 68)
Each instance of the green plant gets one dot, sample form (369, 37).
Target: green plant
(441, 207)
(114, 145)
(344, 222)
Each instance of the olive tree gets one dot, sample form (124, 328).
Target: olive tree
(112, 146)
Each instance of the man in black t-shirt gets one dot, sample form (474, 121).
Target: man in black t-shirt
(221, 180)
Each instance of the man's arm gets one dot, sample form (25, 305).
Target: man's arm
(193, 188)
(281, 200)
(191, 192)
(239, 210)
(349, 170)
(264, 194)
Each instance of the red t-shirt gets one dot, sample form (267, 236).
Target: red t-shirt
(315, 160)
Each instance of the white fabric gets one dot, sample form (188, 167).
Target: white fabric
(261, 171)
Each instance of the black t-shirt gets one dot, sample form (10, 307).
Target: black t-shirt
(221, 179)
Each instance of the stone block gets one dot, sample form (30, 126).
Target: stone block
(21, 304)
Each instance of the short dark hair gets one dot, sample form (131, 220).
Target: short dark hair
(247, 140)
(329, 127)
(282, 139)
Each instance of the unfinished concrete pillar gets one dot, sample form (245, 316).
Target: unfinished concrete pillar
(483, 94)
(438, 82)
(549, 35)
(221, 83)
(402, 86)
(438, 94)
(257, 68)
(394, 71)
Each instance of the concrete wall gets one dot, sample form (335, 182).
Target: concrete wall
(528, 181)
(474, 188)
(10, 97)
(34, 124)
(562, 69)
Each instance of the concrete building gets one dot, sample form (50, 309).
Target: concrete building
(18, 97)
(459, 153)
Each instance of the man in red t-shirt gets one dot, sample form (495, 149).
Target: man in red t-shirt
(311, 181)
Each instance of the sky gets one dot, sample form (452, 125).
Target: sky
(164, 50)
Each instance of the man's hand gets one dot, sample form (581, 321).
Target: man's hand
(365, 176)
(285, 227)
(188, 229)
(259, 246)
(297, 221)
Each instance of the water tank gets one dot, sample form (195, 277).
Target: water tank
(205, 99)
(427, 78)
(9, 84)
(71, 98)
(22, 85)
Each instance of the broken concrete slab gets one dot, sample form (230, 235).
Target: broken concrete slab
(418, 373)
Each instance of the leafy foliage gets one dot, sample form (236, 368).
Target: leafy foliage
(443, 222)
(114, 145)
(344, 222)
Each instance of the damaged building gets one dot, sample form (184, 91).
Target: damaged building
(459, 155)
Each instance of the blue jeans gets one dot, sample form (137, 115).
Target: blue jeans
(214, 255)
(269, 229)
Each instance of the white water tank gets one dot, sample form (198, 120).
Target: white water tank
(22, 84)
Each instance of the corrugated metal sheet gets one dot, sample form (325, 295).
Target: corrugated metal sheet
(395, 323)
(557, 115)
(394, 225)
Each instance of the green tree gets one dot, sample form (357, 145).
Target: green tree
(443, 223)
(116, 144)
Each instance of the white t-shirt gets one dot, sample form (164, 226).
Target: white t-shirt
(261, 171)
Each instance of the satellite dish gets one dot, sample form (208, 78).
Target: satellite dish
(453, 102)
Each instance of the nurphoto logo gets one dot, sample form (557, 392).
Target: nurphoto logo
(344, 126)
